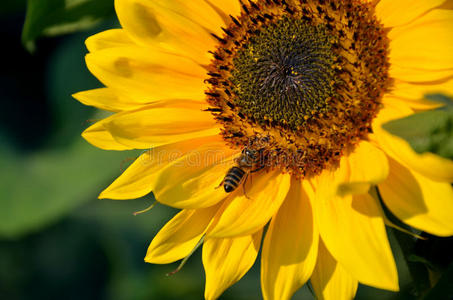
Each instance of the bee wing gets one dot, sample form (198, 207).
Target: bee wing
(228, 161)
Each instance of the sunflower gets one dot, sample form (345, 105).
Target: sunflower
(281, 102)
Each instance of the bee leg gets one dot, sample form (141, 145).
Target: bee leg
(221, 183)
(243, 186)
(256, 170)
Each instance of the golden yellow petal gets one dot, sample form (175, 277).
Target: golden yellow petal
(108, 39)
(428, 164)
(225, 8)
(108, 99)
(245, 214)
(179, 26)
(365, 166)
(330, 280)
(418, 201)
(290, 246)
(193, 180)
(414, 93)
(200, 12)
(352, 228)
(100, 137)
(400, 12)
(161, 123)
(151, 75)
(227, 260)
(418, 75)
(179, 236)
(182, 175)
(425, 44)
(448, 4)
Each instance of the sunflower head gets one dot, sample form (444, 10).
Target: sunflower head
(287, 77)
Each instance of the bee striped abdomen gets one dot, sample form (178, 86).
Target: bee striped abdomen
(232, 179)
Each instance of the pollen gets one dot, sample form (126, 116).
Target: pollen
(299, 80)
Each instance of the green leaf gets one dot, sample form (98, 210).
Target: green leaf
(418, 270)
(38, 186)
(413, 274)
(428, 131)
(36, 190)
(443, 99)
(444, 287)
(56, 17)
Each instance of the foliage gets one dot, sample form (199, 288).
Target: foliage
(55, 17)
(428, 131)
(48, 171)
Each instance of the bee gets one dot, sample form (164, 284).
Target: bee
(245, 164)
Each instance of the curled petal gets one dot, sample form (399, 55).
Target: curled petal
(108, 39)
(100, 137)
(109, 99)
(227, 260)
(179, 236)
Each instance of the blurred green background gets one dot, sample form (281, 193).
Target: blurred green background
(57, 241)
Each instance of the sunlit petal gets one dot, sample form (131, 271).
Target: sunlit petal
(226, 260)
(290, 246)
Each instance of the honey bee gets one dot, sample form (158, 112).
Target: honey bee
(245, 164)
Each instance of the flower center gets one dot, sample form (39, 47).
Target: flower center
(284, 73)
(299, 80)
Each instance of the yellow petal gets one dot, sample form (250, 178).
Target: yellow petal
(227, 260)
(448, 4)
(108, 39)
(330, 280)
(108, 99)
(425, 44)
(353, 230)
(419, 201)
(98, 136)
(227, 8)
(182, 175)
(428, 164)
(365, 166)
(396, 13)
(161, 123)
(414, 93)
(193, 180)
(245, 214)
(180, 26)
(179, 236)
(137, 180)
(416, 75)
(198, 11)
(290, 246)
(151, 75)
